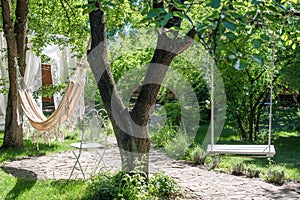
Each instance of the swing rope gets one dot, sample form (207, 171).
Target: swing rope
(271, 91)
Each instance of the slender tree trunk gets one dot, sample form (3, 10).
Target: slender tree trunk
(241, 127)
(15, 35)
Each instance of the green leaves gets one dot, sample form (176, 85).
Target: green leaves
(229, 25)
(240, 64)
(215, 3)
(256, 43)
(265, 37)
(258, 59)
(155, 12)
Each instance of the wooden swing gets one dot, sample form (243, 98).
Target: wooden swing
(259, 151)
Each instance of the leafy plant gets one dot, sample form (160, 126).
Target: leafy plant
(122, 185)
(252, 171)
(3, 85)
(177, 147)
(198, 155)
(212, 162)
(238, 169)
(162, 137)
(49, 90)
(275, 174)
(164, 187)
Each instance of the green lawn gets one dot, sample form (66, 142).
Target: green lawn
(30, 188)
(25, 188)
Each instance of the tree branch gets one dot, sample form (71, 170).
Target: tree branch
(66, 12)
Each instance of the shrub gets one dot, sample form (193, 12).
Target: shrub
(197, 155)
(252, 171)
(164, 136)
(178, 146)
(164, 187)
(132, 186)
(238, 169)
(213, 162)
(275, 174)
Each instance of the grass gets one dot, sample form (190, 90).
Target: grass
(12, 187)
(27, 188)
(32, 150)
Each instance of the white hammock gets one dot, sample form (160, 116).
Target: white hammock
(66, 107)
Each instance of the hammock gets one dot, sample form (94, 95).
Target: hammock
(66, 107)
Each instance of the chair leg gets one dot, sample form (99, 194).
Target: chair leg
(77, 162)
(101, 155)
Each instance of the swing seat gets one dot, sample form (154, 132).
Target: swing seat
(255, 150)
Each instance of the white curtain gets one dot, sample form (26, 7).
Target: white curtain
(32, 76)
(3, 74)
(62, 62)
(33, 73)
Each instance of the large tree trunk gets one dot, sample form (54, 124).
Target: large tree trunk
(15, 35)
(131, 126)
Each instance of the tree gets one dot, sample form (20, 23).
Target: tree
(15, 34)
(130, 126)
(42, 16)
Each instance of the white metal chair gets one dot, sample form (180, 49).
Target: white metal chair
(94, 136)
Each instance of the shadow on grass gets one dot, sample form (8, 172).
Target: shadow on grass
(25, 181)
(28, 150)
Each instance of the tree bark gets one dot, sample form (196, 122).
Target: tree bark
(15, 35)
(130, 127)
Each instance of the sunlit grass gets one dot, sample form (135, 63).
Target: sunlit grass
(31, 149)
(27, 188)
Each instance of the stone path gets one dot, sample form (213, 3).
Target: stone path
(200, 183)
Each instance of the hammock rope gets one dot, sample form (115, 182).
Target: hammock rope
(66, 106)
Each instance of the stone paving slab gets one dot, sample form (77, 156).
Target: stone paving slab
(200, 183)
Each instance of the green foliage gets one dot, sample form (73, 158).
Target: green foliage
(212, 162)
(238, 169)
(275, 174)
(58, 22)
(252, 171)
(198, 155)
(249, 171)
(164, 136)
(178, 146)
(91, 93)
(3, 85)
(173, 111)
(49, 90)
(164, 187)
(133, 186)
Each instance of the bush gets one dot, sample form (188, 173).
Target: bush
(275, 174)
(238, 169)
(164, 187)
(197, 155)
(252, 171)
(178, 146)
(212, 162)
(164, 136)
(132, 186)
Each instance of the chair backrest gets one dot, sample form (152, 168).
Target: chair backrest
(94, 126)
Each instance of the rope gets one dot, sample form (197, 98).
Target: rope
(271, 93)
